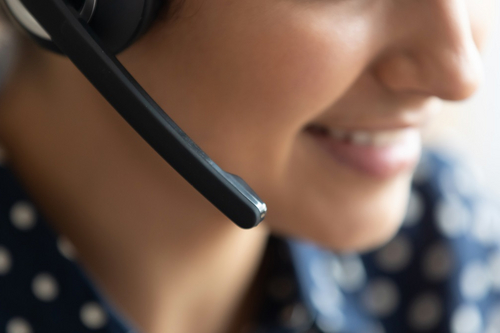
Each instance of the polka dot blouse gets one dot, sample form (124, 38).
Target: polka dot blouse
(440, 273)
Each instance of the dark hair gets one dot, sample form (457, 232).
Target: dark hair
(171, 10)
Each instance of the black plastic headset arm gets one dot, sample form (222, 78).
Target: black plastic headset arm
(229, 193)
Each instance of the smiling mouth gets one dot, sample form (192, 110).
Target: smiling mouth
(377, 153)
(379, 138)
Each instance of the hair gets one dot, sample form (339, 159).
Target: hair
(14, 43)
(171, 10)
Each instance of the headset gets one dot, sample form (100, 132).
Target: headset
(90, 33)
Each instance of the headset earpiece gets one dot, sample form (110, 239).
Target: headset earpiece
(117, 23)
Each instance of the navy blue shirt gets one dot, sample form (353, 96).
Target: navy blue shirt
(440, 273)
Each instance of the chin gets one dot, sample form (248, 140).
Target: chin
(359, 234)
(360, 223)
(366, 238)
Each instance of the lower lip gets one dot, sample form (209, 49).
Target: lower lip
(380, 162)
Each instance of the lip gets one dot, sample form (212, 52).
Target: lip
(379, 162)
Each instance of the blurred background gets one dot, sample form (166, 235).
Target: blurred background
(472, 128)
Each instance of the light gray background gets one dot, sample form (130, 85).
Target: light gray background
(473, 127)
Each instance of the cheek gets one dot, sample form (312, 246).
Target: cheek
(291, 68)
(261, 83)
(275, 65)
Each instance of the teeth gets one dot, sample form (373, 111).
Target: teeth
(361, 138)
(386, 138)
(365, 138)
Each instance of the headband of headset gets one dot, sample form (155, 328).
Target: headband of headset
(89, 32)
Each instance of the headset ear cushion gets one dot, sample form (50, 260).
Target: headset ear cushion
(118, 23)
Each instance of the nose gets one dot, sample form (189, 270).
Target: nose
(432, 51)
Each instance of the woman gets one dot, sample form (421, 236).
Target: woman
(317, 105)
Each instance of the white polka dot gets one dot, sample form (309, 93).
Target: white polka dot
(45, 287)
(486, 224)
(438, 262)
(93, 316)
(5, 261)
(294, 315)
(326, 301)
(471, 178)
(425, 312)
(319, 271)
(475, 281)
(23, 215)
(466, 319)
(459, 179)
(395, 255)
(381, 297)
(453, 218)
(414, 210)
(349, 272)
(494, 266)
(66, 248)
(18, 325)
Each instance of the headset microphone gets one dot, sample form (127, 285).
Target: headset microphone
(90, 32)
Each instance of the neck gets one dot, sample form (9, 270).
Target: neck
(159, 251)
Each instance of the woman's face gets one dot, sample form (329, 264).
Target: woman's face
(317, 104)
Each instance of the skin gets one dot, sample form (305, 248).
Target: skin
(243, 79)
(349, 64)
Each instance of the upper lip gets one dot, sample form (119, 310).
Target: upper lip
(381, 119)
(378, 124)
